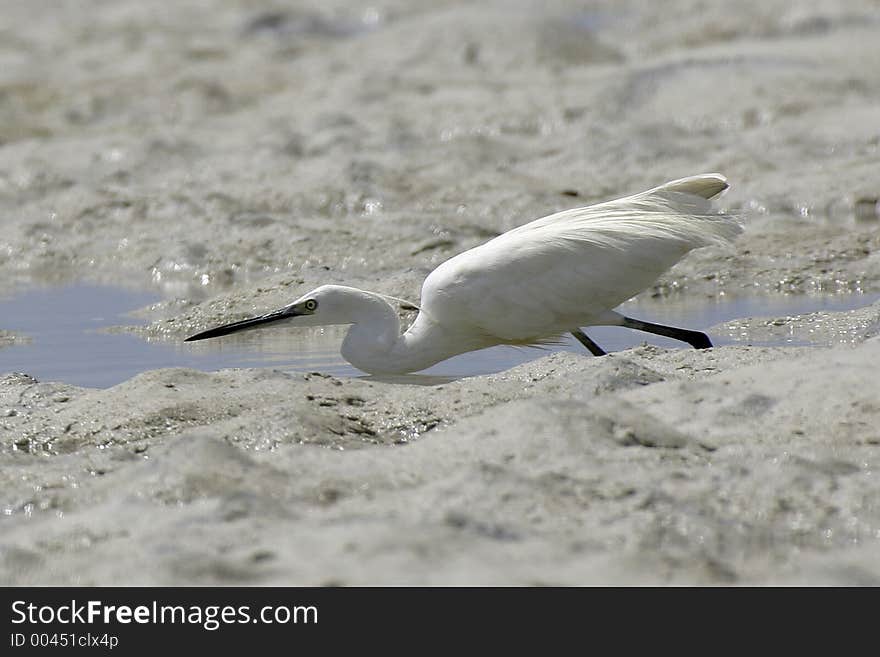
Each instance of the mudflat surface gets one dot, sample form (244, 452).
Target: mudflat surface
(233, 157)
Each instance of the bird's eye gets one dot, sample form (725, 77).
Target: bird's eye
(310, 305)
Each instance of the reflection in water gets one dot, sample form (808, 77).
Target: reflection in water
(67, 344)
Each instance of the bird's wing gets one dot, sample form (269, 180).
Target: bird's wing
(567, 269)
(680, 209)
(704, 185)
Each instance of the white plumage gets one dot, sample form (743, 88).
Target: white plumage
(529, 285)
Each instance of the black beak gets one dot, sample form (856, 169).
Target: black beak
(226, 329)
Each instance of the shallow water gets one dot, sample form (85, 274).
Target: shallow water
(68, 344)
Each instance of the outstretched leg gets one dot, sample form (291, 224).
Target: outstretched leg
(595, 349)
(694, 338)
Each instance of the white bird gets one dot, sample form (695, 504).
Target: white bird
(528, 286)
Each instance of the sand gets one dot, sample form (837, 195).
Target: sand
(234, 156)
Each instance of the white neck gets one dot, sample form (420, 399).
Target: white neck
(374, 344)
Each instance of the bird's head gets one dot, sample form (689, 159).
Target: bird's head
(324, 306)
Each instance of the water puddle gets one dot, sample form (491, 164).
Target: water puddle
(67, 344)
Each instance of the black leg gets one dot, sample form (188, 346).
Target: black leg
(595, 349)
(694, 338)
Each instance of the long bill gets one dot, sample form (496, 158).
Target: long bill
(226, 329)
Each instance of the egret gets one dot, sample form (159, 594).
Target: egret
(528, 286)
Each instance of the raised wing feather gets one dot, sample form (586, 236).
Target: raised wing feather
(568, 269)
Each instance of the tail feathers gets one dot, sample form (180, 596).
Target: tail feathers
(705, 185)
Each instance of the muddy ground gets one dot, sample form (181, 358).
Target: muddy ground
(233, 155)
